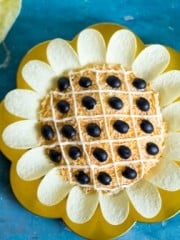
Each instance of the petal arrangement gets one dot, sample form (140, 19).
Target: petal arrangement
(8, 15)
(54, 77)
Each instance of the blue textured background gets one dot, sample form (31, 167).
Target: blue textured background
(155, 21)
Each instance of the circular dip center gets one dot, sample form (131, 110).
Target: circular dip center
(102, 126)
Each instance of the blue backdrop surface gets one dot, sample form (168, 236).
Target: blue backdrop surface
(155, 21)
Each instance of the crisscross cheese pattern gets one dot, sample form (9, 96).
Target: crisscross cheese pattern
(104, 115)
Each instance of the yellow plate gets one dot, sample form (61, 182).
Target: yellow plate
(25, 192)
